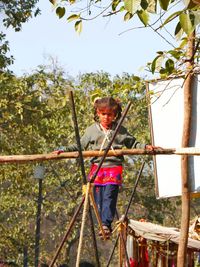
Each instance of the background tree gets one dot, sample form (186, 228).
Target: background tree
(36, 118)
(173, 21)
(14, 14)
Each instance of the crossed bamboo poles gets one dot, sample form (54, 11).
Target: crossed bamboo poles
(88, 195)
(42, 157)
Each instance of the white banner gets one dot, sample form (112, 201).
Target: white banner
(166, 117)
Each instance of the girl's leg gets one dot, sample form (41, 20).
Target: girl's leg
(98, 197)
(109, 202)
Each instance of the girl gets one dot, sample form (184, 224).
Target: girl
(107, 112)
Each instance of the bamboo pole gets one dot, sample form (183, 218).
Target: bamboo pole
(185, 217)
(71, 224)
(193, 151)
(78, 141)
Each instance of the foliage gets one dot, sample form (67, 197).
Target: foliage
(14, 14)
(4, 48)
(18, 12)
(36, 118)
(188, 17)
(29, 122)
(184, 16)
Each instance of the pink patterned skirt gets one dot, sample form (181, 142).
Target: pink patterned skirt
(106, 175)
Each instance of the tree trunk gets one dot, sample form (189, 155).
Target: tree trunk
(182, 249)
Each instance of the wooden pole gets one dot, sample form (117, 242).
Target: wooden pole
(75, 216)
(38, 221)
(78, 141)
(88, 154)
(185, 218)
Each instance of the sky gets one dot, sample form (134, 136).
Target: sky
(105, 44)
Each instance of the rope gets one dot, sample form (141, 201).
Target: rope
(119, 226)
(83, 224)
(106, 133)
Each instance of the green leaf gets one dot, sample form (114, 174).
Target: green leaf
(169, 65)
(60, 11)
(164, 4)
(163, 73)
(153, 65)
(136, 78)
(176, 54)
(78, 26)
(53, 2)
(73, 17)
(183, 43)
(178, 31)
(143, 16)
(144, 4)
(196, 14)
(115, 3)
(127, 16)
(186, 23)
(132, 6)
(171, 17)
(152, 6)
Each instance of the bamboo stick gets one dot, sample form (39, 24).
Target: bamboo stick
(192, 151)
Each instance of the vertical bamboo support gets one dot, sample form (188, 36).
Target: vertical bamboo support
(120, 252)
(83, 174)
(38, 222)
(83, 224)
(97, 214)
(182, 249)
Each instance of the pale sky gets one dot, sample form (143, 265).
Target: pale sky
(100, 46)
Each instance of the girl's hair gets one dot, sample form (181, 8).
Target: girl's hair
(107, 102)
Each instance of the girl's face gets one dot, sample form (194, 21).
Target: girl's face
(106, 117)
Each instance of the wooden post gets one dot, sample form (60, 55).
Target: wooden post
(38, 221)
(185, 218)
(39, 172)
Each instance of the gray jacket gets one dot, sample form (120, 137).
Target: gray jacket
(94, 139)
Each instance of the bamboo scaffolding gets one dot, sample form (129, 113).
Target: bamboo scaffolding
(192, 151)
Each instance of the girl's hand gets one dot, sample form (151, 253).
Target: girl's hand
(152, 148)
(58, 152)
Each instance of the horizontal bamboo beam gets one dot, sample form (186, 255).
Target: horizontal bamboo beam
(88, 154)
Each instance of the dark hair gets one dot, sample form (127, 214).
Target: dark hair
(107, 102)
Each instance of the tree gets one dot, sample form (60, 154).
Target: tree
(29, 123)
(168, 64)
(36, 118)
(187, 14)
(14, 14)
(171, 20)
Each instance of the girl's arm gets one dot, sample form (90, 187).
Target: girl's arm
(151, 148)
(85, 140)
(131, 142)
